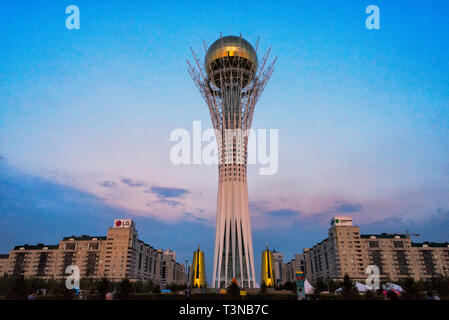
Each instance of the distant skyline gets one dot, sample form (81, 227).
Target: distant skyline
(85, 119)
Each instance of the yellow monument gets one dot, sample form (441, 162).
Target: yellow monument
(198, 275)
(267, 273)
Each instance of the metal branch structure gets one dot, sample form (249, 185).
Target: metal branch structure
(231, 81)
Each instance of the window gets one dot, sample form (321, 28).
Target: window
(402, 262)
(376, 258)
(94, 245)
(398, 244)
(70, 246)
(374, 244)
(428, 262)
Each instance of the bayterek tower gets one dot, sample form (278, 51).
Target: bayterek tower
(231, 81)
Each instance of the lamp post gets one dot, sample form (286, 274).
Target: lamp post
(300, 285)
(187, 272)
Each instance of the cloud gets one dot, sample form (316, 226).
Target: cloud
(398, 222)
(263, 216)
(35, 209)
(346, 207)
(284, 213)
(133, 183)
(443, 212)
(107, 184)
(191, 217)
(339, 207)
(170, 203)
(164, 192)
(31, 206)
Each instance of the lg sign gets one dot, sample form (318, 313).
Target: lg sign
(122, 223)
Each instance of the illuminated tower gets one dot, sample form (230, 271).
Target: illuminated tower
(198, 276)
(231, 81)
(267, 273)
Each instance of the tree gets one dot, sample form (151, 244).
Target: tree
(442, 286)
(176, 287)
(290, 286)
(125, 288)
(410, 287)
(56, 287)
(349, 288)
(17, 288)
(333, 285)
(148, 286)
(320, 285)
(369, 294)
(279, 286)
(103, 287)
(139, 287)
(156, 289)
(88, 284)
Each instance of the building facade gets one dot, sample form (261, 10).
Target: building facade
(346, 251)
(117, 256)
(290, 268)
(277, 267)
(4, 258)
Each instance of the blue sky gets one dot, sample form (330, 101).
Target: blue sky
(86, 115)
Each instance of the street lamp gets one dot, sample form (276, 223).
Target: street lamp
(187, 272)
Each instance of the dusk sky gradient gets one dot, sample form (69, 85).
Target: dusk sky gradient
(86, 115)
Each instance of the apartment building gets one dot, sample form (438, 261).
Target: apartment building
(171, 271)
(391, 253)
(116, 256)
(4, 258)
(290, 268)
(346, 251)
(430, 259)
(277, 267)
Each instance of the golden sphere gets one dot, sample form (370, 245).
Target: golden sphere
(231, 61)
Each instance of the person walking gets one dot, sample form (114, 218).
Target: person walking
(187, 293)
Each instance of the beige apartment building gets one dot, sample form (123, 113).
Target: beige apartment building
(3, 263)
(117, 256)
(290, 268)
(277, 267)
(346, 251)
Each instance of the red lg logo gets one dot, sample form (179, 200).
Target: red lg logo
(118, 223)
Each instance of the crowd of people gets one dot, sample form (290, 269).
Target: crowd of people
(390, 294)
(74, 295)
